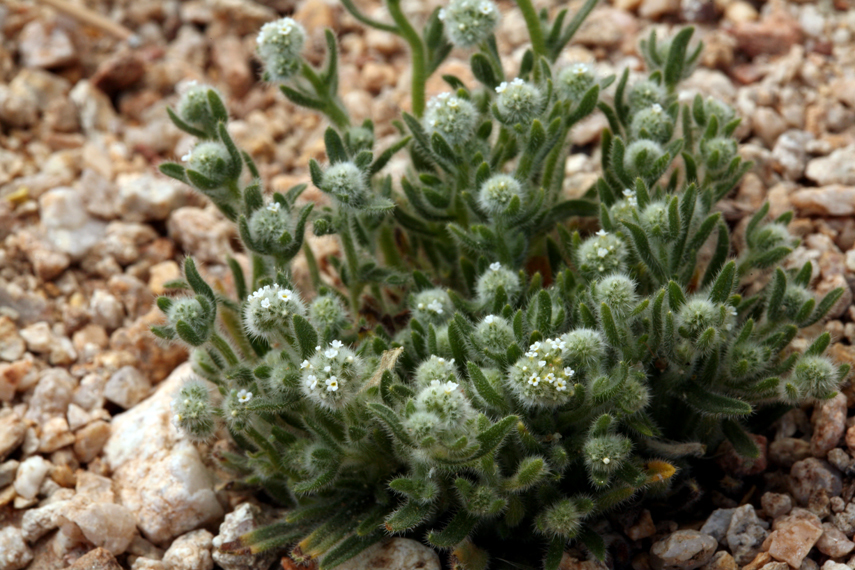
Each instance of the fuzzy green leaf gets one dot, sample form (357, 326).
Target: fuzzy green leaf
(741, 441)
(460, 526)
(390, 419)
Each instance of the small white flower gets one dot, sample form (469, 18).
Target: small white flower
(244, 396)
(305, 364)
(327, 368)
(501, 87)
(435, 306)
(495, 266)
(434, 382)
(186, 157)
(450, 387)
(657, 108)
(606, 460)
(317, 348)
(332, 384)
(602, 252)
(265, 303)
(541, 363)
(489, 319)
(569, 372)
(331, 353)
(602, 233)
(336, 344)
(628, 193)
(285, 294)
(313, 381)
(421, 306)
(349, 358)
(273, 207)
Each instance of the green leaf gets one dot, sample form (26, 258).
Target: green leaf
(390, 419)
(675, 64)
(421, 491)
(555, 553)
(409, 516)
(493, 437)
(482, 385)
(307, 336)
(818, 346)
(196, 282)
(483, 70)
(173, 170)
(593, 541)
(723, 286)
(714, 404)
(460, 526)
(742, 443)
(824, 306)
(335, 146)
(774, 307)
(645, 252)
(387, 155)
(218, 109)
(301, 99)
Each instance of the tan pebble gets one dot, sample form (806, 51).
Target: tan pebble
(90, 440)
(161, 273)
(739, 12)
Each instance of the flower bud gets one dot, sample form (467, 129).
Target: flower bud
(771, 236)
(640, 155)
(497, 276)
(540, 378)
(654, 219)
(268, 310)
(432, 306)
(717, 153)
(422, 424)
(634, 395)
(333, 376)
(747, 359)
(496, 193)
(644, 94)
(193, 106)
(575, 81)
(584, 348)
(447, 401)
(697, 315)
(450, 116)
(618, 292)
(359, 138)
(279, 45)
(518, 101)
(562, 519)
(210, 159)
(192, 411)
(652, 123)
(190, 311)
(601, 254)
(815, 377)
(235, 410)
(605, 454)
(266, 225)
(435, 369)
(794, 297)
(469, 22)
(723, 112)
(347, 184)
(328, 312)
(494, 334)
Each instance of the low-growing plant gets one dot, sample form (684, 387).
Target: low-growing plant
(486, 372)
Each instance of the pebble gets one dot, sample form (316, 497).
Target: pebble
(8, 471)
(642, 527)
(46, 45)
(38, 337)
(94, 109)
(829, 425)
(774, 34)
(683, 550)
(844, 520)
(12, 346)
(833, 200)
(146, 197)
(810, 475)
(31, 473)
(97, 559)
(790, 153)
(191, 551)
(107, 525)
(12, 430)
(746, 534)
(776, 505)
(721, 560)
(244, 518)
(717, 524)
(52, 395)
(200, 233)
(232, 61)
(792, 538)
(768, 125)
(157, 472)
(90, 440)
(832, 565)
(127, 387)
(55, 435)
(395, 554)
(14, 552)
(69, 226)
(836, 168)
(834, 543)
(161, 273)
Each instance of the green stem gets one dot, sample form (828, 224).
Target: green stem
(233, 325)
(352, 260)
(332, 108)
(354, 11)
(312, 264)
(223, 347)
(406, 31)
(532, 22)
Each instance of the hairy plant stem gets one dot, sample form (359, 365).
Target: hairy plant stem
(223, 347)
(332, 108)
(535, 31)
(417, 48)
(352, 260)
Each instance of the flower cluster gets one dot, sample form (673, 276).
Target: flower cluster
(331, 378)
(432, 306)
(518, 101)
(452, 117)
(268, 310)
(469, 22)
(279, 45)
(574, 81)
(601, 254)
(495, 278)
(541, 377)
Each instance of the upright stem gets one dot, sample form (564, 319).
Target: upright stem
(223, 347)
(352, 261)
(406, 30)
(532, 22)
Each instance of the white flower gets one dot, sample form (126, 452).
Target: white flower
(489, 319)
(327, 368)
(331, 353)
(305, 364)
(336, 344)
(569, 372)
(265, 303)
(541, 363)
(273, 207)
(435, 306)
(332, 384)
(285, 294)
(313, 381)
(606, 460)
(602, 252)
(495, 266)
(186, 157)
(501, 87)
(450, 387)
(602, 233)
(244, 396)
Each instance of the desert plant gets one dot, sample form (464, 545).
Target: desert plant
(488, 372)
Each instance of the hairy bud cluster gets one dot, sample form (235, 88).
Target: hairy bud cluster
(541, 378)
(518, 101)
(279, 46)
(332, 377)
(267, 311)
(432, 306)
(192, 411)
(452, 117)
(495, 278)
(346, 182)
(497, 193)
(194, 108)
(469, 22)
(576, 80)
(601, 254)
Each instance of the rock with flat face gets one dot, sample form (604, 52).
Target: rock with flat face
(683, 550)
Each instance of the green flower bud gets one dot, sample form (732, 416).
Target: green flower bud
(618, 292)
(794, 297)
(634, 395)
(496, 193)
(717, 153)
(644, 94)
(604, 455)
(279, 45)
(698, 315)
(327, 312)
(192, 411)
(332, 377)
(575, 81)
(723, 112)
(432, 306)
(268, 310)
(421, 425)
(601, 254)
(266, 225)
(452, 117)
(469, 22)
(540, 378)
(235, 410)
(447, 401)
(640, 155)
(562, 519)
(359, 138)
(518, 101)
(584, 348)
(210, 159)
(652, 123)
(435, 369)
(497, 276)
(347, 184)
(193, 107)
(748, 359)
(191, 312)
(494, 333)
(815, 377)
(771, 236)
(625, 209)
(654, 219)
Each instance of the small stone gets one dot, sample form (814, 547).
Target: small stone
(643, 527)
(119, 72)
(161, 273)
(14, 552)
(833, 200)
(38, 337)
(45, 45)
(90, 441)
(95, 110)
(232, 61)
(395, 554)
(243, 519)
(810, 475)
(39, 521)
(790, 153)
(655, 9)
(829, 425)
(788, 450)
(834, 543)
(55, 435)
(107, 311)
(52, 395)
(758, 562)
(201, 234)
(740, 12)
(776, 566)
(191, 551)
(97, 559)
(776, 505)
(145, 197)
(684, 549)
(717, 523)
(70, 228)
(745, 534)
(12, 346)
(832, 565)
(8, 471)
(774, 34)
(31, 473)
(107, 525)
(126, 387)
(792, 539)
(721, 560)
(768, 125)
(836, 168)
(12, 430)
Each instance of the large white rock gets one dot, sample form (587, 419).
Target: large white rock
(14, 552)
(157, 472)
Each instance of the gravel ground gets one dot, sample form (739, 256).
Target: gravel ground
(93, 474)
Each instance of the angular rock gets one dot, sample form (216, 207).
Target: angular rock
(200, 233)
(8, 471)
(683, 550)
(31, 473)
(721, 560)
(832, 200)
(836, 168)
(834, 543)
(717, 523)
(14, 552)
(55, 435)
(38, 337)
(395, 554)
(790, 153)
(811, 475)
(107, 311)
(127, 387)
(106, 525)
(70, 228)
(97, 559)
(12, 346)
(90, 441)
(52, 395)
(792, 539)
(243, 519)
(746, 534)
(829, 425)
(157, 471)
(191, 551)
(45, 45)
(12, 430)
(145, 197)
(776, 505)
